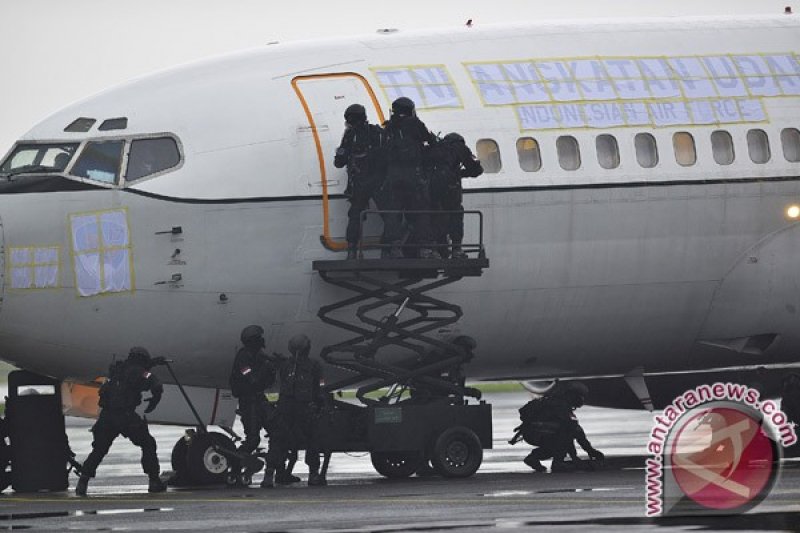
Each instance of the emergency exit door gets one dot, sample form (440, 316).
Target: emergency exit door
(324, 98)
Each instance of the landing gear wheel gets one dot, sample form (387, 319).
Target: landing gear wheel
(204, 464)
(457, 452)
(396, 465)
(178, 460)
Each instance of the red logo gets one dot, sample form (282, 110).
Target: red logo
(723, 459)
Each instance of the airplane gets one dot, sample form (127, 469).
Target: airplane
(640, 199)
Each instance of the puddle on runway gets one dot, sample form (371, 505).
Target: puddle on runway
(79, 512)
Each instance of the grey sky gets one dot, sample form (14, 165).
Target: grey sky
(53, 52)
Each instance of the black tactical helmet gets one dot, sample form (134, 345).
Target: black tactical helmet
(791, 381)
(355, 114)
(299, 344)
(454, 137)
(403, 106)
(252, 334)
(466, 341)
(139, 356)
(576, 393)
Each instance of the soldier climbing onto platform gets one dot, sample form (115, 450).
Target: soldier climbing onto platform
(550, 424)
(300, 403)
(252, 373)
(451, 159)
(119, 397)
(406, 186)
(361, 151)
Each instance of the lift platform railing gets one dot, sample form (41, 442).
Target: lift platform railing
(438, 219)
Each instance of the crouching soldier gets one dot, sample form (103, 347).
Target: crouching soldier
(252, 374)
(550, 424)
(119, 397)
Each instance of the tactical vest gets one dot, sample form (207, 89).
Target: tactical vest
(122, 391)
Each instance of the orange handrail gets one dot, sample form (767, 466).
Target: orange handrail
(327, 241)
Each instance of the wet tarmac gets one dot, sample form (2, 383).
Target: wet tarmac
(504, 494)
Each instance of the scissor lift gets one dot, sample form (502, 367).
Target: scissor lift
(413, 401)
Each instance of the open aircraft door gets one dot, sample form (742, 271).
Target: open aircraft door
(324, 98)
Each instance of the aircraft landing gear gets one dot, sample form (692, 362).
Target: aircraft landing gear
(201, 458)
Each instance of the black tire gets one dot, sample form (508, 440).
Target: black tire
(204, 465)
(180, 476)
(396, 465)
(457, 452)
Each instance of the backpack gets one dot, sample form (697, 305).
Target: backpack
(114, 393)
(535, 428)
(402, 149)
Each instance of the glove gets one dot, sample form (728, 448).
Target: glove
(152, 402)
(597, 455)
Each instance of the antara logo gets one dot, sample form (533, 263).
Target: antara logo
(715, 449)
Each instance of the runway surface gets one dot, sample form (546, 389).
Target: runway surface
(504, 493)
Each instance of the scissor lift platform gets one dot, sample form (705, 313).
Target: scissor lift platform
(414, 408)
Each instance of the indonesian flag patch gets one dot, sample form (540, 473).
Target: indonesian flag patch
(246, 370)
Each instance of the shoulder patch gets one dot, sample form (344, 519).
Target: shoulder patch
(146, 374)
(246, 370)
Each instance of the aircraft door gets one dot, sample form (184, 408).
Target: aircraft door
(324, 99)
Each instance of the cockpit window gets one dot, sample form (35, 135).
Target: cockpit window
(100, 161)
(149, 156)
(38, 158)
(114, 124)
(80, 125)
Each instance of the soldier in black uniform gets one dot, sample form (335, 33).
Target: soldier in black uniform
(119, 397)
(361, 150)
(252, 374)
(550, 424)
(406, 186)
(299, 403)
(790, 405)
(451, 159)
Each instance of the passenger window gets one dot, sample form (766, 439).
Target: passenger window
(722, 147)
(758, 146)
(149, 156)
(530, 160)
(99, 161)
(685, 152)
(790, 139)
(646, 150)
(489, 155)
(607, 151)
(569, 153)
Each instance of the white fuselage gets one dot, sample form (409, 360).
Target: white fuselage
(593, 271)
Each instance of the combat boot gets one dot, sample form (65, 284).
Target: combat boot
(155, 484)
(83, 484)
(352, 252)
(316, 479)
(458, 253)
(535, 464)
(285, 478)
(268, 481)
